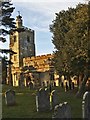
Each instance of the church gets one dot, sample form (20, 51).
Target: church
(26, 65)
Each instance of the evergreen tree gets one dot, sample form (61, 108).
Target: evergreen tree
(6, 25)
(6, 21)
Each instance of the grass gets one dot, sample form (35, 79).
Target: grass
(25, 103)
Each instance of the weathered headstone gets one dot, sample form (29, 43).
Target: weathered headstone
(31, 86)
(62, 111)
(42, 100)
(53, 99)
(10, 97)
(86, 106)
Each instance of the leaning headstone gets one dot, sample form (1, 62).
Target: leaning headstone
(31, 85)
(62, 111)
(86, 106)
(53, 99)
(42, 100)
(10, 97)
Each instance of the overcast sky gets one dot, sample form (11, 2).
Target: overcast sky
(38, 15)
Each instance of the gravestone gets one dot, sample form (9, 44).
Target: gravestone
(10, 97)
(53, 99)
(86, 106)
(62, 111)
(42, 100)
(31, 85)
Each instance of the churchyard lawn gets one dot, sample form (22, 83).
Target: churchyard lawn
(26, 107)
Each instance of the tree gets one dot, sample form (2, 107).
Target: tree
(87, 71)
(6, 21)
(7, 24)
(70, 37)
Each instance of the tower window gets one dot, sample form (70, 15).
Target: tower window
(14, 38)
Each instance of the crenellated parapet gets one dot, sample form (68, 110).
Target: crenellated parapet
(40, 63)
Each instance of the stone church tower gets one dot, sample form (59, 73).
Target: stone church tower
(24, 45)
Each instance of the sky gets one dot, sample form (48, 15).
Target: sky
(38, 15)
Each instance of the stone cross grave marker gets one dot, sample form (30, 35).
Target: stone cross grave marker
(42, 100)
(62, 111)
(53, 99)
(10, 97)
(86, 106)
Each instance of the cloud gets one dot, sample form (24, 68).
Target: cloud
(40, 14)
(35, 15)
